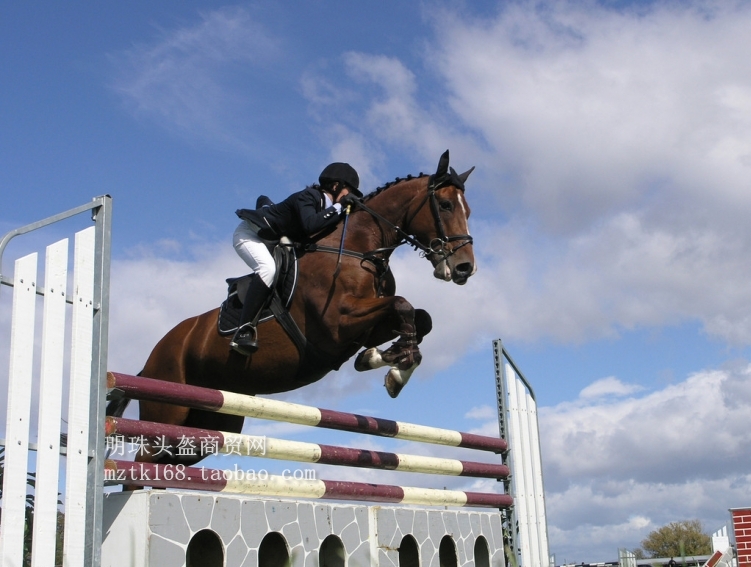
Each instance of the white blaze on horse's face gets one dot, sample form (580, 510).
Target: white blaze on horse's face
(459, 263)
(466, 211)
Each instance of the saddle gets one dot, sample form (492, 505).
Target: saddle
(283, 289)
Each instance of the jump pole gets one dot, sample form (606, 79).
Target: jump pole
(221, 401)
(173, 436)
(238, 482)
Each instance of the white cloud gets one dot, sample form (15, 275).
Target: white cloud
(383, 101)
(609, 386)
(616, 469)
(186, 81)
(601, 542)
(602, 517)
(482, 412)
(151, 294)
(592, 109)
(679, 453)
(664, 436)
(623, 135)
(354, 148)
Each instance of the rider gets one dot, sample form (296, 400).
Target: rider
(298, 217)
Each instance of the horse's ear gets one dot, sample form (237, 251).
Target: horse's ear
(443, 165)
(463, 176)
(458, 180)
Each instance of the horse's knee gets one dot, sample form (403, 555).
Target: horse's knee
(423, 323)
(403, 308)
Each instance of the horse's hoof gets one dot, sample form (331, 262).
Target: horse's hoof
(368, 360)
(393, 383)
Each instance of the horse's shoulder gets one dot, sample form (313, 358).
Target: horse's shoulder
(210, 315)
(197, 321)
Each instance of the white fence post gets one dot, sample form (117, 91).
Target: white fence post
(19, 409)
(50, 405)
(86, 388)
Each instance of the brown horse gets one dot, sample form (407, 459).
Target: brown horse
(343, 302)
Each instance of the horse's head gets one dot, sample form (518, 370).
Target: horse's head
(438, 219)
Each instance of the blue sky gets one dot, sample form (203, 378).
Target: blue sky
(610, 205)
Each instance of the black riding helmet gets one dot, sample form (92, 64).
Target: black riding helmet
(343, 173)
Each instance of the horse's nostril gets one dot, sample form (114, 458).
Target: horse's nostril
(464, 269)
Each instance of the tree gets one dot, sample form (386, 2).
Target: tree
(677, 539)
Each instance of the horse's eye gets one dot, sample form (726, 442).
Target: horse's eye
(446, 206)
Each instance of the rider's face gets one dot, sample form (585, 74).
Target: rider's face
(340, 190)
(344, 191)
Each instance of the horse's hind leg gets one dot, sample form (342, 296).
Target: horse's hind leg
(403, 356)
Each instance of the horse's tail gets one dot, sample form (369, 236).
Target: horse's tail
(116, 406)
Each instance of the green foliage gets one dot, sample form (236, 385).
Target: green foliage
(677, 539)
(59, 538)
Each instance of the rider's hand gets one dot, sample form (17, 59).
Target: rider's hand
(348, 200)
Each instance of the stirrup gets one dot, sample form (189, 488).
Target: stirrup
(245, 340)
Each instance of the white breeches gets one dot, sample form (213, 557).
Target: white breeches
(254, 252)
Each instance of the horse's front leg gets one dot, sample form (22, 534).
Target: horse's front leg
(408, 326)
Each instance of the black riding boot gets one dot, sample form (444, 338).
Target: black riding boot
(245, 340)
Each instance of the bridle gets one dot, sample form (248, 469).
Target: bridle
(437, 246)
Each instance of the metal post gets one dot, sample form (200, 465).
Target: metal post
(509, 522)
(102, 216)
(525, 523)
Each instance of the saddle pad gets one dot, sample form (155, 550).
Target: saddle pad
(284, 287)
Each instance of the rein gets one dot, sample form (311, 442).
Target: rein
(375, 257)
(380, 263)
(437, 245)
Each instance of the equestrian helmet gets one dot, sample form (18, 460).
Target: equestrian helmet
(343, 173)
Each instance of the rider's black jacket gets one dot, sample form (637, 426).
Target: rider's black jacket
(298, 217)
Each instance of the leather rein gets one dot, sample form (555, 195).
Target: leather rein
(438, 245)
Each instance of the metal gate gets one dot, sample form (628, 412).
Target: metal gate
(66, 356)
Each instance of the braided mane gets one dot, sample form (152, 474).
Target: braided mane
(391, 184)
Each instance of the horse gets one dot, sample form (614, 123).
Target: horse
(344, 301)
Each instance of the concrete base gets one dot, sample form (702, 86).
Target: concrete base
(156, 528)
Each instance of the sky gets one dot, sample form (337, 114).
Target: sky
(612, 142)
